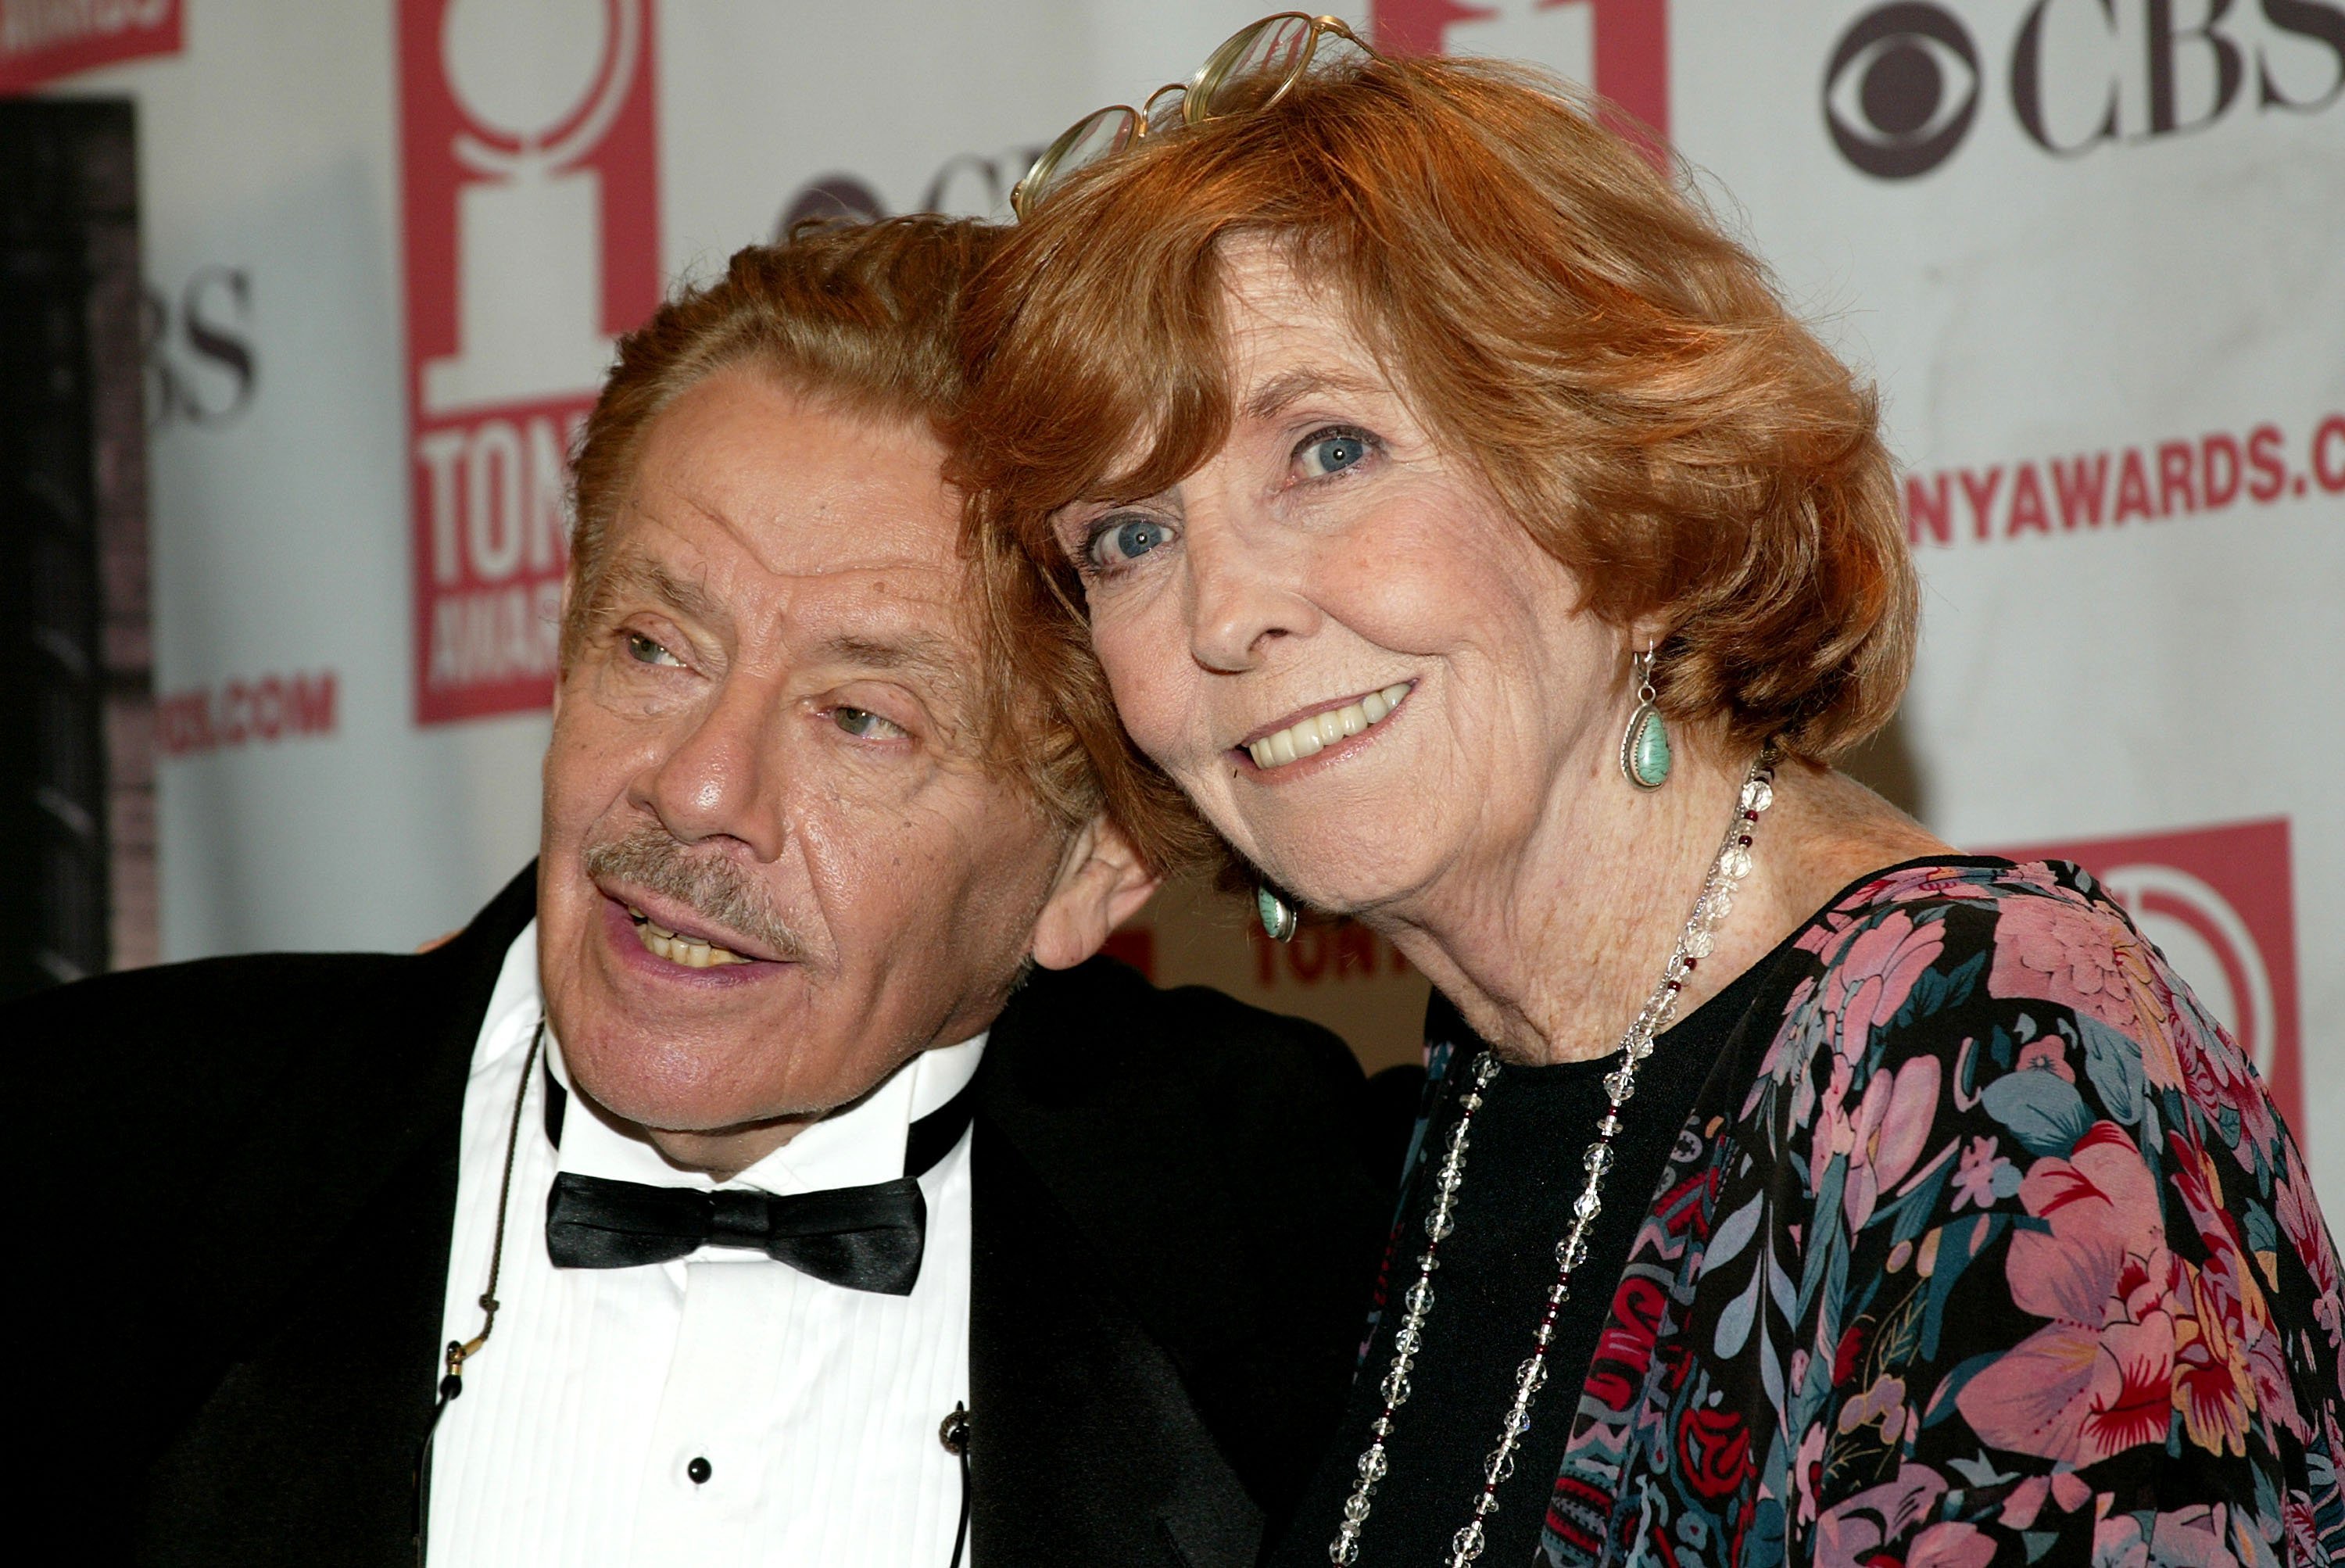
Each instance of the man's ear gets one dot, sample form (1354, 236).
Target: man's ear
(1101, 883)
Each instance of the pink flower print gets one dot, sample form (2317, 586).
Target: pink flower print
(2118, 1542)
(1853, 1534)
(2308, 1235)
(2216, 1075)
(1876, 972)
(2067, 1489)
(2275, 1389)
(2025, 1502)
(2199, 1536)
(1882, 1404)
(1835, 1129)
(2046, 1054)
(2211, 1387)
(2230, 1282)
(2032, 874)
(1786, 1054)
(1951, 1544)
(1935, 882)
(1891, 1126)
(2098, 1379)
(1825, 930)
(2302, 1528)
(2052, 949)
(1808, 1470)
(1984, 1176)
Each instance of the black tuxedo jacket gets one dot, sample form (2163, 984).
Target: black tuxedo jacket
(234, 1192)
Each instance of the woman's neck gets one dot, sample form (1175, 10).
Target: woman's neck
(1549, 945)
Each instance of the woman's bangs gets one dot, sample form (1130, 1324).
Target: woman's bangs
(1119, 376)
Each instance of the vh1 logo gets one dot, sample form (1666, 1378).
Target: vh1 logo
(2219, 903)
(1618, 47)
(530, 203)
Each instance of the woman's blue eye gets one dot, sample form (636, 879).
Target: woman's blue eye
(1121, 543)
(1331, 452)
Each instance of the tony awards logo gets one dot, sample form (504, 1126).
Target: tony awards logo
(530, 236)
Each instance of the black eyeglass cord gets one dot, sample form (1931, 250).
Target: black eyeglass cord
(954, 1435)
(452, 1382)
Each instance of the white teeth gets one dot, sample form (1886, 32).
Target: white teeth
(1309, 737)
(687, 951)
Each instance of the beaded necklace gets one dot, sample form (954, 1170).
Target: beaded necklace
(1695, 943)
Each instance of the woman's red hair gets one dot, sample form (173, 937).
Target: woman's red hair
(1567, 318)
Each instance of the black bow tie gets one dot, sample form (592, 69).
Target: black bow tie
(863, 1237)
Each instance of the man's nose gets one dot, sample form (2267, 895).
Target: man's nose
(1247, 584)
(722, 777)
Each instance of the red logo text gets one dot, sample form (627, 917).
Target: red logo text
(41, 40)
(241, 712)
(529, 195)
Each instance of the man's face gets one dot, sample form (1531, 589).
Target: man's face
(775, 865)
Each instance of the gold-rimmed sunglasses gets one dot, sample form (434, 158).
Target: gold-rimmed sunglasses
(1253, 69)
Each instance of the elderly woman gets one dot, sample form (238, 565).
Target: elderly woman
(1459, 523)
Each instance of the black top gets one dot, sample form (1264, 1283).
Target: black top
(237, 1176)
(1523, 1172)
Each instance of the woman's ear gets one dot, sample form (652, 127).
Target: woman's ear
(1644, 634)
(1102, 882)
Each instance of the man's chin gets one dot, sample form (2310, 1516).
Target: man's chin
(674, 1058)
(659, 1084)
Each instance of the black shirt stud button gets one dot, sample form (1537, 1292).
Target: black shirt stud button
(699, 1470)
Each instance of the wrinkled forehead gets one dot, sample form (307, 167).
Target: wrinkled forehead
(750, 499)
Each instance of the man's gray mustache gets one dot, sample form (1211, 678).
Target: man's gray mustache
(714, 888)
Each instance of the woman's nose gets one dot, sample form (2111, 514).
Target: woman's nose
(1246, 591)
(719, 778)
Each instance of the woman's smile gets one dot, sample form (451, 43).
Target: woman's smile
(1314, 731)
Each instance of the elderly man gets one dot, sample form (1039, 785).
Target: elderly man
(769, 1175)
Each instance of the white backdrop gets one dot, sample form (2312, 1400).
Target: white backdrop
(2089, 248)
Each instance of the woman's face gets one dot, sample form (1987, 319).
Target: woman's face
(1363, 670)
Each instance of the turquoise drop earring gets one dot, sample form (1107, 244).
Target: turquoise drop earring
(1645, 744)
(1277, 914)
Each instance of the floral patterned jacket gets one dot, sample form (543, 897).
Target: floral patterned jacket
(1985, 1246)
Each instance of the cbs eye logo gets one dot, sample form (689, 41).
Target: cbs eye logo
(1902, 90)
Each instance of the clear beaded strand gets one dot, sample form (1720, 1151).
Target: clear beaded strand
(1416, 1302)
(1695, 942)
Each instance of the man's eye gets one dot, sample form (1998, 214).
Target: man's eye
(1120, 541)
(642, 650)
(1331, 452)
(865, 725)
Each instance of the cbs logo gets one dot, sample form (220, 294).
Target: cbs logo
(1902, 86)
(1902, 90)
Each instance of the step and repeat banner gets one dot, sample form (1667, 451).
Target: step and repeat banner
(2093, 250)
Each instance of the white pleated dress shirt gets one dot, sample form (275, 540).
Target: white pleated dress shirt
(815, 1407)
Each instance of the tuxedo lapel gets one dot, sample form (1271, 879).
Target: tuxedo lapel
(1169, 1234)
(304, 1451)
(1084, 1447)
